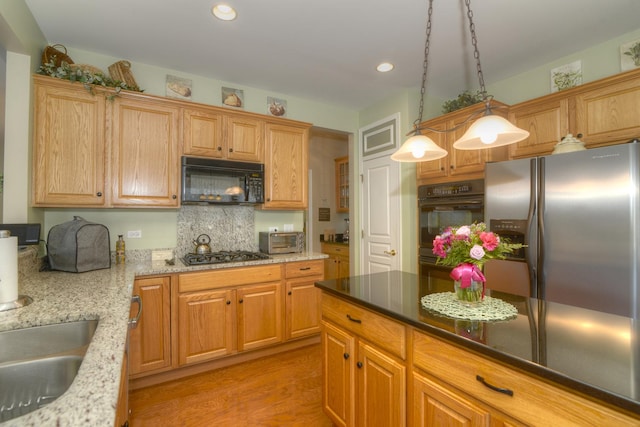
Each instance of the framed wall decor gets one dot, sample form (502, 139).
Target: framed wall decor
(566, 76)
(630, 55)
(233, 97)
(276, 107)
(178, 87)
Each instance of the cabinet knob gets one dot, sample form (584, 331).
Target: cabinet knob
(346, 356)
(289, 293)
(240, 301)
(219, 148)
(231, 150)
(451, 167)
(174, 197)
(228, 302)
(442, 168)
(359, 365)
(99, 194)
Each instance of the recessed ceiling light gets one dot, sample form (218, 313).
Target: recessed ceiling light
(224, 12)
(385, 67)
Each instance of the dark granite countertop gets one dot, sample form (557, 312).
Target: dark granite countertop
(594, 353)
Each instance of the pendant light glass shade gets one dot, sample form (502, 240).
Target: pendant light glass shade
(490, 131)
(418, 148)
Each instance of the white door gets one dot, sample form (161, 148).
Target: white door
(381, 219)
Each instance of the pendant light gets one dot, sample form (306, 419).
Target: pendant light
(488, 131)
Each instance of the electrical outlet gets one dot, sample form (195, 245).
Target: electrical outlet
(273, 229)
(134, 234)
(288, 227)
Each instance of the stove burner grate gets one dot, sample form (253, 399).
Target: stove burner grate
(223, 257)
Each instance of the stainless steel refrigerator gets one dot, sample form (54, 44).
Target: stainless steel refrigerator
(579, 214)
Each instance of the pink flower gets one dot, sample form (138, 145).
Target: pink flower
(476, 252)
(490, 241)
(438, 247)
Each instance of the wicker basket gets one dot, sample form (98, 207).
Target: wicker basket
(121, 71)
(57, 53)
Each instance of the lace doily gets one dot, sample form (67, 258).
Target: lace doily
(490, 309)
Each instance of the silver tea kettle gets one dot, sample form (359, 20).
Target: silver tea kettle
(202, 244)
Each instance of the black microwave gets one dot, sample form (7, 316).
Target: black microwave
(210, 181)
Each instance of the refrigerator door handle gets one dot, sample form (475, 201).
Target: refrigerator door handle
(541, 240)
(532, 227)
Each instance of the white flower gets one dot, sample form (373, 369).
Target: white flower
(476, 252)
(463, 231)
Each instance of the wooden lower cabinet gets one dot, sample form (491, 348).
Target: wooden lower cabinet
(302, 299)
(150, 341)
(206, 325)
(363, 384)
(122, 410)
(260, 317)
(367, 380)
(220, 322)
(337, 265)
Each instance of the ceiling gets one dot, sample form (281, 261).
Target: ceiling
(327, 50)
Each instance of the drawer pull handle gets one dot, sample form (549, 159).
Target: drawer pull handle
(305, 268)
(346, 356)
(494, 388)
(353, 319)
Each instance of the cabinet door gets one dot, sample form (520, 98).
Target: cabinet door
(464, 162)
(343, 267)
(381, 389)
(302, 307)
(546, 119)
(608, 114)
(150, 341)
(205, 325)
(202, 133)
(69, 145)
(245, 139)
(286, 159)
(145, 161)
(436, 405)
(259, 315)
(338, 375)
(342, 184)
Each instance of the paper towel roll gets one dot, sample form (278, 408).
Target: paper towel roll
(8, 269)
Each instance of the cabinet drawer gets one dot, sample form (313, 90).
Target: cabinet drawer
(213, 279)
(534, 402)
(330, 249)
(385, 333)
(304, 268)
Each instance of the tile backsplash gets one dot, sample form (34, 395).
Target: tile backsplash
(229, 227)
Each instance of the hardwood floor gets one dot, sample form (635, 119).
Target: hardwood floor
(280, 390)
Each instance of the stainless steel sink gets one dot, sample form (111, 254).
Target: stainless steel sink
(27, 343)
(37, 365)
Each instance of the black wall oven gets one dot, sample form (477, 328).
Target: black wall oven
(441, 206)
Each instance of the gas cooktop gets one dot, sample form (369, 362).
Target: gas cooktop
(222, 257)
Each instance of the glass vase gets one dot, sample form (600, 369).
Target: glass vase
(471, 295)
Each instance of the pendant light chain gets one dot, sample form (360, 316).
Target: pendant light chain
(425, 64)
(476, 52)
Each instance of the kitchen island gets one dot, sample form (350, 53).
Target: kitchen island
(551, 362)
(105, 295)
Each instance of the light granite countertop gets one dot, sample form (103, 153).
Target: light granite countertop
(104, 295)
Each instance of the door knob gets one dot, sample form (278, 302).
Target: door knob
(392, 252)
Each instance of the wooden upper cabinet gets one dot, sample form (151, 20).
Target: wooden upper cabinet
(202, 133)
(546, 119)
(607, 112)
(208, 132)
(603, 111)
(145, 160)
(342, 184)
(69, 145)
(245, 138)
(286, 166)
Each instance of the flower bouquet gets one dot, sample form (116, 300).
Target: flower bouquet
(467, 248)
